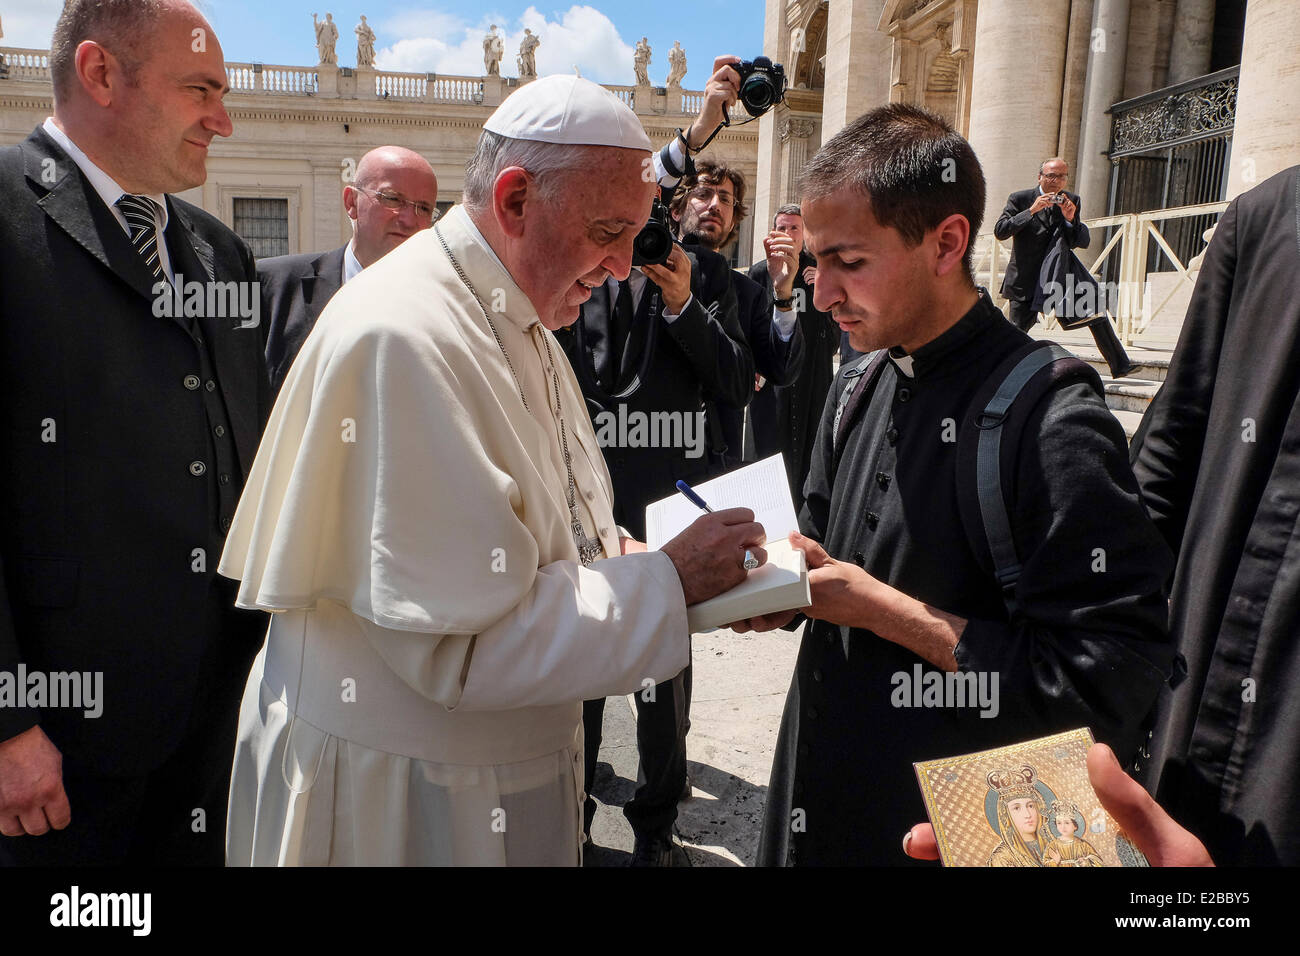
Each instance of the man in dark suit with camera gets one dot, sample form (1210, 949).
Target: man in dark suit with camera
(1035, 220)
(130, 426)
(392, 196)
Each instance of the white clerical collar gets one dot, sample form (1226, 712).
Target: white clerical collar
(477, 236)
(902, 360)
(351, 264)
(103, 183)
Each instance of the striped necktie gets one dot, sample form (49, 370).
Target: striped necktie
(139, 213)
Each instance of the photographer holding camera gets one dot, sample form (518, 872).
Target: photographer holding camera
(647, 351)
(707, 209)
(1038, 218)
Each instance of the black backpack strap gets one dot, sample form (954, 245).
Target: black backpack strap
(857, 379)
(985, 449)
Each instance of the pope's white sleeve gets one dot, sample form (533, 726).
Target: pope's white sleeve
(578, 634)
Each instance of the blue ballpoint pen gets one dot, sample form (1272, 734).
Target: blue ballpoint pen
(751, 562)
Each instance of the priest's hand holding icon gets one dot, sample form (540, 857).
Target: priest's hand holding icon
(709, 555)
(1153, 831)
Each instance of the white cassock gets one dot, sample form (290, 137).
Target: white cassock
(419, 697)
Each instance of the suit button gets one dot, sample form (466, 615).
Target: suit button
(830, 638)
(859, 558)
(812, 713)
(603, 532)
(804, 750)
(224, 479)
(225, 524)
(873, 519)
(197, 468)
(882, 480)
(904, 394)
(191, 382)
(591, 495)
(210, 385)
(219, 431)
(817, 675)
(891, 436)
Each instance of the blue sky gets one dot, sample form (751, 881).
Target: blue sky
(446, 37)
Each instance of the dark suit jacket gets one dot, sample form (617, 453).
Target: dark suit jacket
(294, 292)
(786, 419)
(117, 484)
(1034, 234)
(779, 362)
(701, 355)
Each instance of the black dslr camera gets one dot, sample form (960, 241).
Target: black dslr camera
(654, 242)
(762, 84)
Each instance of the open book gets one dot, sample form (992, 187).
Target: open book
(781, 583)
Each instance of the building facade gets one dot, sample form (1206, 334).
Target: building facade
(1154, 103)
(300, 131)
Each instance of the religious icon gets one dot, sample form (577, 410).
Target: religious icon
(1027, 805)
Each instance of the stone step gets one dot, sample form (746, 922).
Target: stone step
(1128, 395)
(1129, 420)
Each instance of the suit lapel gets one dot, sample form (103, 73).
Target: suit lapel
(319, 287)
(72, 203)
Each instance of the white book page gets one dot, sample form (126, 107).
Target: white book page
(762, 487)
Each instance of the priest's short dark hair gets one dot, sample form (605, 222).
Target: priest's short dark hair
(915, 169)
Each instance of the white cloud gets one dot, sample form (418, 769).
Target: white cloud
(437, 42)
(31, 24)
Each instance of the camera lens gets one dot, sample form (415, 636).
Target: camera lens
(652, 245)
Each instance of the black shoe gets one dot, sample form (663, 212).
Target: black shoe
(1124, 372)
(652, 851)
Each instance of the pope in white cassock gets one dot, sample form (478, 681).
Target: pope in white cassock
(429, 518)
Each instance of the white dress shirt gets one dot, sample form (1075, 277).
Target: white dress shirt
(111, 192)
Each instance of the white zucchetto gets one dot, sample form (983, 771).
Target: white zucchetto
(568, 110)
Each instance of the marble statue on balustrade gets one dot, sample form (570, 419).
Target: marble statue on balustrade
(526, 61)
(494, 48)
(326, 35)
(640, 61)
(365, 43)
(676, 64)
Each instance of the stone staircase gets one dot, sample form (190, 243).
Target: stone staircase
(1129, 397)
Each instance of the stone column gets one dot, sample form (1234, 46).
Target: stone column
(1105, 85)
(1189, 47)
(1267, 125)
(328, 218)
(857, 63)
(1075, 80)
(1015, 115)
(794, 132)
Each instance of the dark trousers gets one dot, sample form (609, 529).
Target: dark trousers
(1024, 317)
(662, 722)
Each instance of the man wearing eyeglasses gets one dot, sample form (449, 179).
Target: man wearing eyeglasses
(1035, 220)
(392, 197)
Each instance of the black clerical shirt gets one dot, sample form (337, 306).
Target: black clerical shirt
(1088, 648)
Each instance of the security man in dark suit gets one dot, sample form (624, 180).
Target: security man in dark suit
(392, 196)
(1035, 220)
(130, 426)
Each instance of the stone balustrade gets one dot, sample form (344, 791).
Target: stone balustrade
(331, 82)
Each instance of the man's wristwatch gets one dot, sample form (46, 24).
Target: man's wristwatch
(783, 304)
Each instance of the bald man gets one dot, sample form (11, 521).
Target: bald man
(392, 197)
